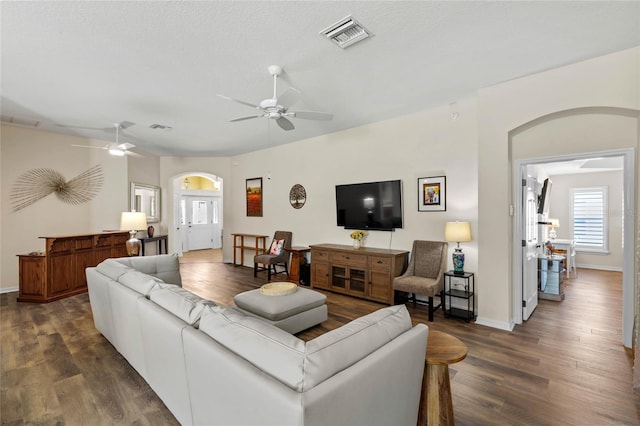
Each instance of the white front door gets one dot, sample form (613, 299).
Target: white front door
(198, 215)
(529, 248)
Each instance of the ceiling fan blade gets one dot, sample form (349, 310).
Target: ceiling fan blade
(133, 154)
(89, 146)
(285, 123)
(289, 97)
(312, 115)
(249, 117)
(126, 124)
(239, 101)
(103, 129)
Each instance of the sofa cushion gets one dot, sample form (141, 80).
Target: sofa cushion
(138, 281)
(164, 266)
(112, 268)
(181, 303)
(338, 349)
(270, 349)
(302, 366)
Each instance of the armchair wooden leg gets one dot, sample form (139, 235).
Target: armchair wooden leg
(286, 268)
(413, 297)
(255, 270)
(431, 309)
(268, 272)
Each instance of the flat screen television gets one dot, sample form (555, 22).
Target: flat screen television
(543, 199)
(370, 205)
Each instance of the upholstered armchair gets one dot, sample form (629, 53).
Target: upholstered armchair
(425, 273)
(276, 254)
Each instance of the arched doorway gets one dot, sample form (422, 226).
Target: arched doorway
(197, 207)
(593, 127)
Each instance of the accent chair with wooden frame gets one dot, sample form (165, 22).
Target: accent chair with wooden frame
(425, 273)
(270, 260)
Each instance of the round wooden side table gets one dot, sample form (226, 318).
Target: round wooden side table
(436, 407)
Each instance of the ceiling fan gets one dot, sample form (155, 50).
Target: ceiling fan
(277, 108)
(117, 148)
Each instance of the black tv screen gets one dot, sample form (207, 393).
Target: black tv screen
(371, 205)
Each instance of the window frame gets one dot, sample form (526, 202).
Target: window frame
(603, 191)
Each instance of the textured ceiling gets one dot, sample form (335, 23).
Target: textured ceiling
(92, 64)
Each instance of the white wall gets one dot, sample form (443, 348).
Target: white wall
(608, 81)
(424, 144)
(25, 149)
(560, 208)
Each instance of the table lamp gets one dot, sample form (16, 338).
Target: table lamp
(553, 224)
(458, 232)
(133, 222)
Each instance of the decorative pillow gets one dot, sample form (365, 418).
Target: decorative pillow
(276, 247)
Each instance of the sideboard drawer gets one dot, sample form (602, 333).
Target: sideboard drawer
(349, 259)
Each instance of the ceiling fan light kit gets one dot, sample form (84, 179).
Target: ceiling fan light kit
(277, 108)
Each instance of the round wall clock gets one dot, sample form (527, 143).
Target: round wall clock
(297, 196)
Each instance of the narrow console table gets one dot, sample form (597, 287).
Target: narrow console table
(158, 239)
(367, 273)
(59, 271)
(260, 243)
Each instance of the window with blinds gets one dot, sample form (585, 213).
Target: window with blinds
(589, 213)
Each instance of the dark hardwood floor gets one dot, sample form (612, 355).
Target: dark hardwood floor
(566, 365)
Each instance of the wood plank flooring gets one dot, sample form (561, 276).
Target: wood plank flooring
(565, 366)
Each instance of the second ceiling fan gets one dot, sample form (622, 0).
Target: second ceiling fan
(277, 108)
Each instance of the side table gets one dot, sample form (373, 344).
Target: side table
(436, 406)
(297, 255)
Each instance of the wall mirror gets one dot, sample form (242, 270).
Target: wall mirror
(146, 198)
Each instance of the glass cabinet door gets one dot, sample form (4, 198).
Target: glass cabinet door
(339, 277)
(357, 281)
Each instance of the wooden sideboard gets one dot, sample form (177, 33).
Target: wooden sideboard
(367, 273)
(59, 271)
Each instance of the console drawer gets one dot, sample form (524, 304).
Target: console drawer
(349, 259)
(380, 263)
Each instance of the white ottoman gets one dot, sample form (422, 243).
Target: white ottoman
(291, 312)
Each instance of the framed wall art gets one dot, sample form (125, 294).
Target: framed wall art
(432, 194)
(254, 197)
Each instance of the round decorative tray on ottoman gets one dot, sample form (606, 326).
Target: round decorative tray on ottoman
(278, 289)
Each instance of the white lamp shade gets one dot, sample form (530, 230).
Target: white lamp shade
(133, 221)
(554, 223)
(457, 232)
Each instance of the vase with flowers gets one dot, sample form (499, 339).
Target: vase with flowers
(357, 237)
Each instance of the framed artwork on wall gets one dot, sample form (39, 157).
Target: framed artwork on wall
(432, 194)
(254, 197)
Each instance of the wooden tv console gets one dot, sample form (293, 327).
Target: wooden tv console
(367, 273)
(59, 271)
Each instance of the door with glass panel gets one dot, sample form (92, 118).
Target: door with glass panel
(200, 221)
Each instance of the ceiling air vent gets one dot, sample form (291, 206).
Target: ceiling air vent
(346, 32)
(160, 127)
(19, 121)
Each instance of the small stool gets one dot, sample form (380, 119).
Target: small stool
(291, 312)
(436, 407)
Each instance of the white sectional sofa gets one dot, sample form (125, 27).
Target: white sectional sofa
(216, 366)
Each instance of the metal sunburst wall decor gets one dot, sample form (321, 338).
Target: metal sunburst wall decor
(38, 183)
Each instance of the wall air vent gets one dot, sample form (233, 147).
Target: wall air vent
(346, 32)
(160, 126)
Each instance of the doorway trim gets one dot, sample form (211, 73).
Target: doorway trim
(629, 232)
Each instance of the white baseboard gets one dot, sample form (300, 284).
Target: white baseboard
(507, 326)
(8, 289)
(600, 267)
